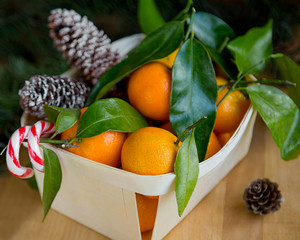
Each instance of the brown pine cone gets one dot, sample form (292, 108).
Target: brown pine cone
(85, 47)
(262, 196)
(53, 90)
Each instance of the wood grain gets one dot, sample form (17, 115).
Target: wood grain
(220, 215)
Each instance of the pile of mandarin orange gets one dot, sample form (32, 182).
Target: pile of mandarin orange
(152, 150)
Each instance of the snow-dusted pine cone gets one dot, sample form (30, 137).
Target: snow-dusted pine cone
(53, 90)
(85, 47)
(262, 196)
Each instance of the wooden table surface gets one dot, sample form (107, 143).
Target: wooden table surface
(220, 215)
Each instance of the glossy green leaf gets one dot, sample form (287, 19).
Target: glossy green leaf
(149, 16)
(290, 71)
(251, 50)
(109, 114)
(187, 170)
(194, 89)
(52, 112)
(66, 119)
(156, 45)
(52, 179)
(281, 115)
(202, 134)
(214, 33)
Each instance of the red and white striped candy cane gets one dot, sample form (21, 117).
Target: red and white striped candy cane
(41, 128)
(12, 154)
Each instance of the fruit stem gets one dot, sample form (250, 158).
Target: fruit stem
(224, 44)
(53, 141)
(184, 14)
(74, 139)
(241, 76)
(54, 135)
(188, 129)
(271, 81)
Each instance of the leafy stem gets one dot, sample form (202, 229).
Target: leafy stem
(271, 81)
(188, 129)
(184, 14)
(190, 31)
(241, 76)
(224, 44)
(261, 81)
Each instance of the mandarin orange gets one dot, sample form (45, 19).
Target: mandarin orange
(231, 111)
(149, 90)
(104, 148)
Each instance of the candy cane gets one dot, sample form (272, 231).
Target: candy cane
(12, 154)
(41, 128)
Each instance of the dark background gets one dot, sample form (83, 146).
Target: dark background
(26, 49)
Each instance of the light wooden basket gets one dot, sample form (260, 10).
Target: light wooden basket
(103, 197)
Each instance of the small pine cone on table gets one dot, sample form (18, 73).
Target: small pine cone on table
(262, 196)
(84, 46)
(53, 90)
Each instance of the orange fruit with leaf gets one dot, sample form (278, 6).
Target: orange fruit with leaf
(232, 109)
(104, 148)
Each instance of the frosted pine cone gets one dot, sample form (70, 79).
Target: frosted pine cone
(262, 196)
(85, 47)
(53, 90)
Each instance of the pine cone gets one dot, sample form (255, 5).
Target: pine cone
(85, 47)
(262, 196)
(53, 90)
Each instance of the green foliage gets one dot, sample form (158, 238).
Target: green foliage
(281, 115)
(63, 118)
(251, 50)
(194, 92)
(156, 45)
(290, 71)
(215, 34)
(52, 179)
(66, 119)
(109, 114)
(187, 170)
(148, 16)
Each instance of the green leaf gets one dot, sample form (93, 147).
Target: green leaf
(214, 33)
(66, 119)
(194, 89)
(156, 45)
(187, 170)
(290, 71)
(202, 134)
(251, 50)
(52, 179)
(149, 16)
(281, 115)
(52, 112)
(109, 114)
